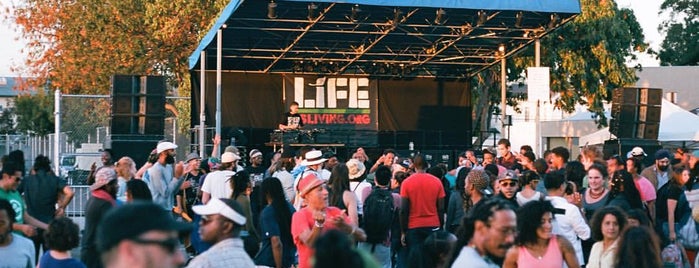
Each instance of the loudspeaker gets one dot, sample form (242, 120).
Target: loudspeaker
(138, 105)
(136, 147)
(636, 113)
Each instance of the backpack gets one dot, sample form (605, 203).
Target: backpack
(378, 215)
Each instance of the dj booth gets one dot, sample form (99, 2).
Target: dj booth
(301, 138)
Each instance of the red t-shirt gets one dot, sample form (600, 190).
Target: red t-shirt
(423, 190)
(303, 220)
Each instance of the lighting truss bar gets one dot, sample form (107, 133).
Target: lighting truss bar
(300, 36)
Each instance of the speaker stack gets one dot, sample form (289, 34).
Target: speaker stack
(635, 121)
(137, 115)
(636, 113)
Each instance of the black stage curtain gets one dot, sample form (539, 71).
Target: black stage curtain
(424, 104)
(247, 100)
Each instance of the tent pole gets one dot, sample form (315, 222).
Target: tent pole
(219, 44)
(503, 97)
(537, 122)
(202, 102)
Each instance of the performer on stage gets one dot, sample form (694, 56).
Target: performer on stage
(292, 119)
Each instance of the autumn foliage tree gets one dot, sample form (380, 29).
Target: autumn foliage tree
(77, 45)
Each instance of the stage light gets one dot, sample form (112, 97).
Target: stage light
(518, 19)
(272, 10)
(312, 8)
(554, 21)
(354, 16)
(501, 48)
(439, 17)
(297, 67)
(482, 18)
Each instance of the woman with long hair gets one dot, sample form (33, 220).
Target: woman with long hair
(278, 249)
(623, 192)
(529, 180)
(606, 225)
(535, 245)
(282, 171)
(340, 195)
(644, 186)
(638, 248)
(455, 207)
(669, 210)
(240, 183)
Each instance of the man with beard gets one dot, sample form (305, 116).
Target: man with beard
(257, 173)
(493, 225)
(102, 199)
(221, 223)
(659, 174)
(15, 250)
(509, 183)
(161, 178)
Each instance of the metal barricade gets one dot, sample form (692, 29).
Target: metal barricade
(76, 208)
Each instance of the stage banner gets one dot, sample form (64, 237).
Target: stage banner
(334, 103)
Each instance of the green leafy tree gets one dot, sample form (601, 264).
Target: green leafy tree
(7, 121)
(34, 114)
(681, 44)
(587, 57)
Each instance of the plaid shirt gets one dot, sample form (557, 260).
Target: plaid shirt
(225, 254)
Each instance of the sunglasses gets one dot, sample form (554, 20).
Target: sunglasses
(170, 245)
(508, 184)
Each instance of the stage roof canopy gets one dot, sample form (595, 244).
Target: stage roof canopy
(392, 38)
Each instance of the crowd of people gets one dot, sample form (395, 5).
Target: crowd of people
(310, 208)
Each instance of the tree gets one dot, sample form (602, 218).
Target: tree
(587, 57)
(34, 114)
(77, 45)
(7, 121)
(681, 44)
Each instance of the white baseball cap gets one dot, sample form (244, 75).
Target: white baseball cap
(636, 151)
(223, 207)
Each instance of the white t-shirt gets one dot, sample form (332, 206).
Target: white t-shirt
(217, 184)
(570, 225)
(287, 181)
(521, 200)
(361, 191)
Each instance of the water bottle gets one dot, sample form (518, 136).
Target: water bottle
(411, 146)
(233, 141)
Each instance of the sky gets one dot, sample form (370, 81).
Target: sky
(646, 13)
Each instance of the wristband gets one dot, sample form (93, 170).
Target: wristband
(318, 224)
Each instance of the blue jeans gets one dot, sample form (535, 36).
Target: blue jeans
(381, 253)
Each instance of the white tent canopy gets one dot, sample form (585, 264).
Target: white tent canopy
(676, 125)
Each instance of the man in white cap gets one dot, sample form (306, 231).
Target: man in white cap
(162, 179)
(216, 184)
(257, 174)
(638, 153)
(221, 223)
(313, 162)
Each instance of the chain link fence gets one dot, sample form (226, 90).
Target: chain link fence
(84, 132)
